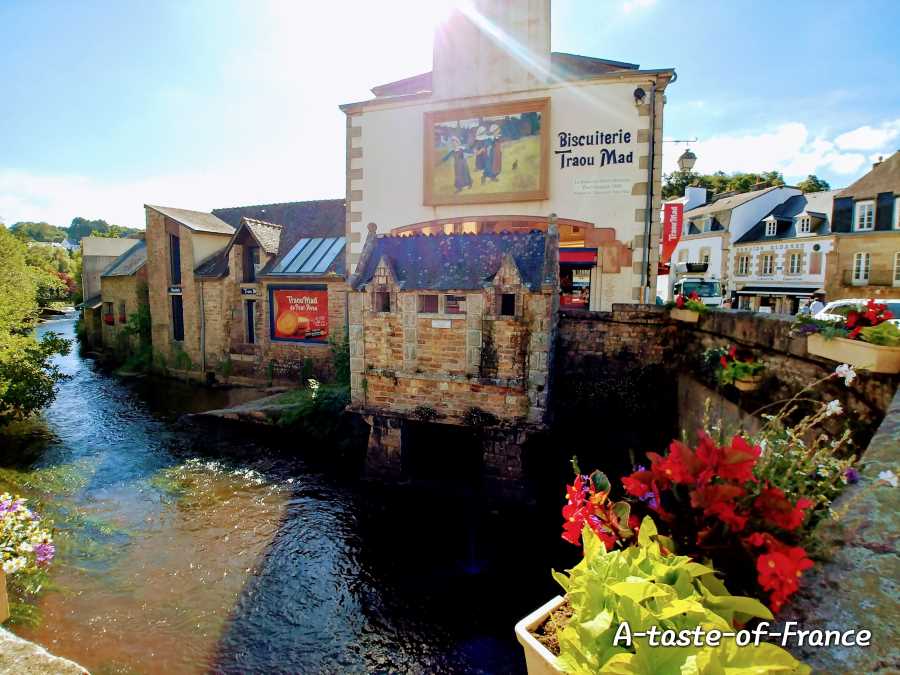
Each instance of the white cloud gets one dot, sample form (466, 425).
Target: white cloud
(631, 5)
(788, 148)
(869, 138)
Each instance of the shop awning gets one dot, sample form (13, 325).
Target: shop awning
(578, 256)
(777, 290)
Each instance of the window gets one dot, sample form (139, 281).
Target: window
(682, 255)
(707, 224)
(177, 318)
(862, 263)
(865, 216)
(174, 259)
(743, 265)
(250, 317)
(108, 316)
(122, 316)
(896, 213)
(251, 263)
(771, 228)
(382, 301)
(804, 225)
(768, 264)
(704, 255)
(455, 304)
(428, 304)
(794, 263)
(897, 269)
(508, 304)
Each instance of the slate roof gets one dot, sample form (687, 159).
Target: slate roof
(455, 261)
(128, 263)
(815, 204)
(727, 203)
(279, 228)
(885, 177)
(199, 221)
(562, 65)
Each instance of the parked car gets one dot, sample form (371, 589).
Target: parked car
(838, 309)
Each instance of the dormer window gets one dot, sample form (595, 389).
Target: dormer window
(804, 225)
(864, 217)
(251, 263)
(771, 228)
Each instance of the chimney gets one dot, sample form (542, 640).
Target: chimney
(880, 159)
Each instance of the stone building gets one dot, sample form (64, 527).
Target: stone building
(780, 262)
(454, 330)
(502, 132)
(243, 297)
(97, 253)
(123, 289)
(865, 260)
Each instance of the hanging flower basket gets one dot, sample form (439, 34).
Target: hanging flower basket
(749, 383)
(4, 600)
(538, 659)
(685, 315)
(857, 353)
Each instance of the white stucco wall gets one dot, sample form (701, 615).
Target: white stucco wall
(781, 250)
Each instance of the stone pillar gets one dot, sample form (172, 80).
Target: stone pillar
(503, 468)
(408, 317)
(383, 456)
(474, 324)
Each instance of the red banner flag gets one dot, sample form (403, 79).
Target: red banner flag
(672, 223)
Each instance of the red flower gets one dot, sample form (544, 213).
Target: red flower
(779, 572)
(718, 501)
(680, 465)
(774, 506)
(732, 352)
(679, 301)
(724, 362)
(737, 462)
(694, 296)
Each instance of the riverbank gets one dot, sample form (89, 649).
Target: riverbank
(18, 656)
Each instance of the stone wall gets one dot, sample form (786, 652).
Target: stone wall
(128, 291)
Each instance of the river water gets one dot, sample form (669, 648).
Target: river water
(185, 549)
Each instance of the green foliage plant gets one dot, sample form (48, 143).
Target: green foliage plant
(885, 334)
(646, 585)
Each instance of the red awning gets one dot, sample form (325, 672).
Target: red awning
(578, 255)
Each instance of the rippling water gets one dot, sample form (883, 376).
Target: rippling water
(186, 550)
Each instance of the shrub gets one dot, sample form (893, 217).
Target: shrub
(26, 550)
(732, 368)
(885, 334)
(692, 303)
(646, 585)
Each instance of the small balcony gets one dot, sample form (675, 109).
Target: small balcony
(876, 277)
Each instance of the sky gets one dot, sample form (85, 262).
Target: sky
(199, 104)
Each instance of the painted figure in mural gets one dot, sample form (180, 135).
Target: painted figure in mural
(462, 177)
(492, 155)
(480, 150)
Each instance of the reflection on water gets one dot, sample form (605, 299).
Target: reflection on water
(183, 550)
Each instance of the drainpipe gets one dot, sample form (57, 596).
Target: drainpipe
(648, 216)
(202, 332)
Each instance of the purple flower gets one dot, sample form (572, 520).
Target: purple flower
(650, 499)
(851, 474)
(638, 467)
(43, 553)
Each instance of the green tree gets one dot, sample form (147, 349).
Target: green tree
(38, 231)
(813, 183)
(27, 375)
(674, 184)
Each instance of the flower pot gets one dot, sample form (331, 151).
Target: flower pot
(4, 601)
(686, 315)
(859, 354)
(749, 383)
(538, 659)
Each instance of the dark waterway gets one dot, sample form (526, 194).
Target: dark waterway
(186, 549)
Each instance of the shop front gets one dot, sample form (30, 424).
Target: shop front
(576, 268)
(774, 299)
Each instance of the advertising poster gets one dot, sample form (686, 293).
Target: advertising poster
(299, 313)
(672, 223)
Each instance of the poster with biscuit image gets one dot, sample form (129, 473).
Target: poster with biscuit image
(299, 313)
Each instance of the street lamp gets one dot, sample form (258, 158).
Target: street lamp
(687, 160)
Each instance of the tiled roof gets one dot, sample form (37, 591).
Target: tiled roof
(727, 203)
(884, 177)
(319, 218)
(128, 263)
(198, 221)
(214, 266)
(455, 261)
(815, 203)
(562, 65)
(267, 234)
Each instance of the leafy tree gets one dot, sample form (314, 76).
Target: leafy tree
(38, 231)
(81, 227)
(27, 375)
(813, 183)
(675, 183)
(116, 231)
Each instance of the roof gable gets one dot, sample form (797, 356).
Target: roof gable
(128, 263)
(198, 221)
(884, 177)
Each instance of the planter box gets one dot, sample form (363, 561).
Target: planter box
(857, 353)
(749, 383)
(538, 659)
(686, 315)
(4, 601)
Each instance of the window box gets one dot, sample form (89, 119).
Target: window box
(859, 354)
(538, 659)
(749, 383)
(109, 319)
(685, 315)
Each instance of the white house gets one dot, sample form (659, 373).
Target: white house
(780, 261)
(709, 229)
(503, 133)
